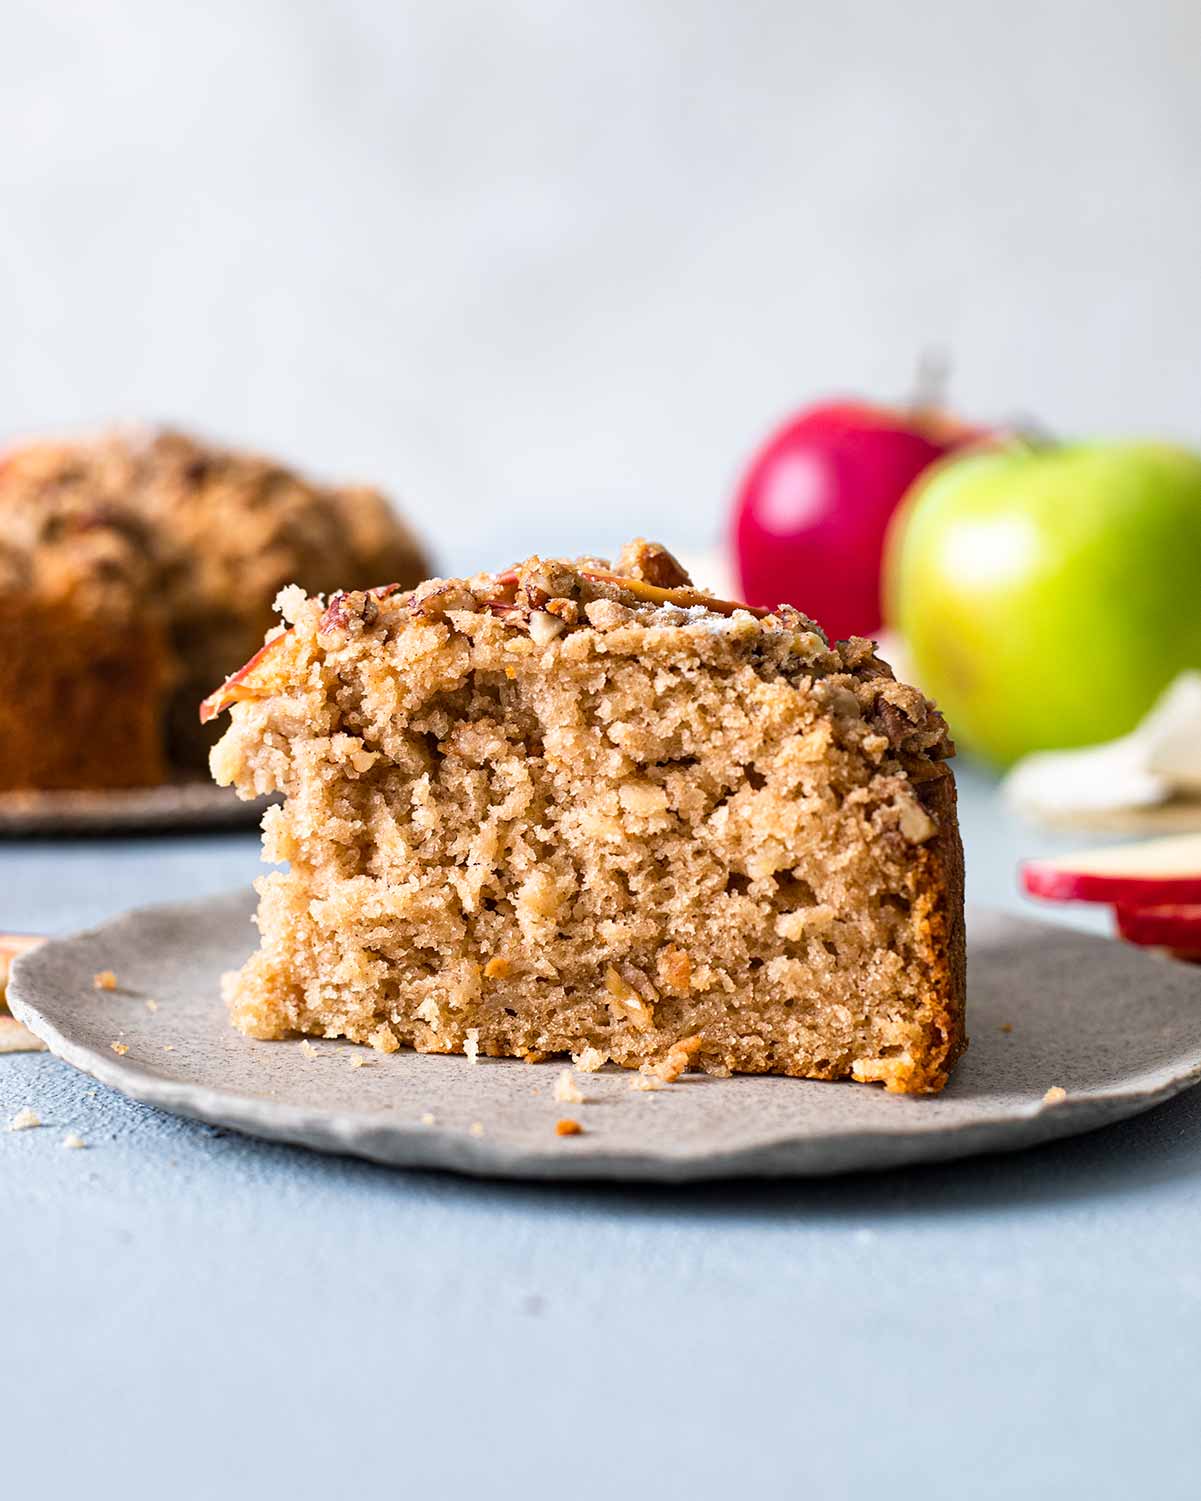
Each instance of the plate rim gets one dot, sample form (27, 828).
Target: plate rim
(179, 803)
(450, 1148)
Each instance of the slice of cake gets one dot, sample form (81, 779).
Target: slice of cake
(574, 809)
(138, 567)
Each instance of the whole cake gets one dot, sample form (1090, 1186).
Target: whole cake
(136, 569)
(571, 808)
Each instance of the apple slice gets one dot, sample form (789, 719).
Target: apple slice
(686, 598)
(1153, 873)
(263, 675)
(1175, 927)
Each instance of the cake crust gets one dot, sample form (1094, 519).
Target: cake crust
(585, 808)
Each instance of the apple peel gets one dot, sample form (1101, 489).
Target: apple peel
(1176, 927)
(258, 678)
(1151, 873)
(685, 598)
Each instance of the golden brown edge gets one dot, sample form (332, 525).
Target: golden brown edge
(940, 884)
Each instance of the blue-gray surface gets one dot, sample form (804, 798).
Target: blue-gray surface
(189, 1313)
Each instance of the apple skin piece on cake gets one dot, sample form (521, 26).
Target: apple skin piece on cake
(587, 809)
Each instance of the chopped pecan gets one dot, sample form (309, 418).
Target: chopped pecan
(344, 608)
(651, 562)
(434, 599)
(567, 610)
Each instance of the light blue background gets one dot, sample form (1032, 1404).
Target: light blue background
(527, 262)
(191, 1314)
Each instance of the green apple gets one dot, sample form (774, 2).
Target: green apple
(1047, 595)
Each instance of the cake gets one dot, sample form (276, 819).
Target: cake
(138, 568)
(579, 809)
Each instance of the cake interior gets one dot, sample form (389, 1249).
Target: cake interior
(635, 838)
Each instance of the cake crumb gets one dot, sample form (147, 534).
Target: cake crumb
(1055, 1095)
(477, 1128)
(383, 1039)
(567, 1127)
(359, 1062)
(497, 968)
(73, 1141)
(307, 1048)
(428, 1118)
(472, 1045)
(1006, 1027)
(120, 1048)
(168, 1047)
(14, 1038)
(647, 1082)
(104, 979)
(151, 1005)
(675, 1062)
(589, 1060)
(534, 1056)
(566, 1090)
(24, 1120)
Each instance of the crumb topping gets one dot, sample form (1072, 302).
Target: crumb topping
(562, 606)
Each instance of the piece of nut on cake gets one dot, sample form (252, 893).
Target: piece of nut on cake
(577, 809)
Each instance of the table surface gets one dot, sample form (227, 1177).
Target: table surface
(191, 1313)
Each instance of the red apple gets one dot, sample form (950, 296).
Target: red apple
(813, 508)
(1153, 873)
(1176, 927)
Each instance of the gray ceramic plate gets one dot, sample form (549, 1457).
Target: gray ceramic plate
(1118, 1029)
(198, 804)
